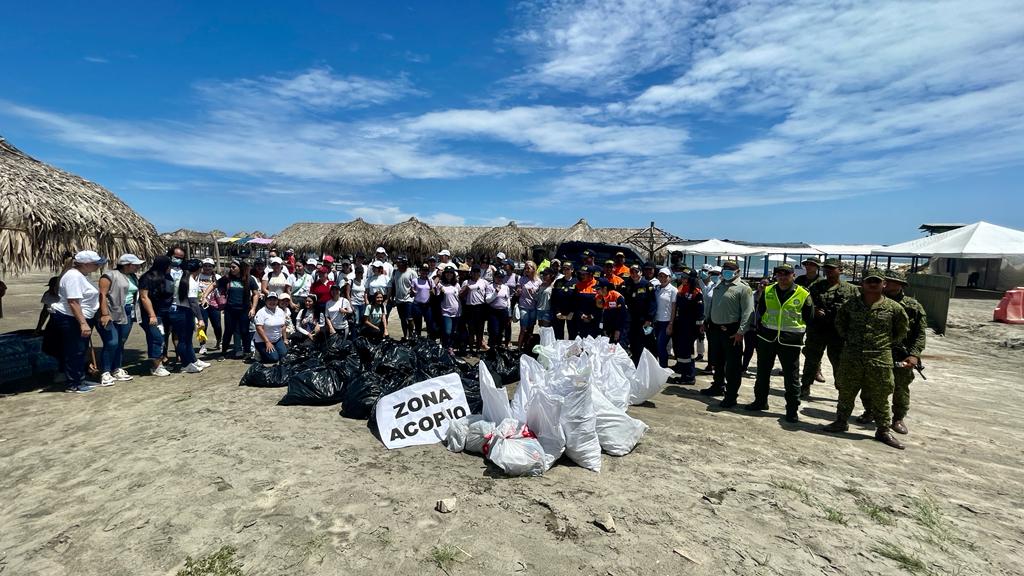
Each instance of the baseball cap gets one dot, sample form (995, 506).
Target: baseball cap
(259, 262)
(205, 261)
(811, 260)
(401, 260)
(784, 268)
(603, 283)
(665, 271)
(716, 269)
(648, 266)
(499, 273)
(381, 250)
(312, 262)
(289, 251)
(729, 264)
(346, 262)
(706, 267)
(424, 266)
(444, 253)
(609, 262)
(272, 295)
(432, 258)
(276, 260)
(587, 252)
(831, 263)
(501, 255)
(285, 296)
(896, 276)
(133, 259)
(323, 269)
(620, 254)
(89, 257)
(874, 273)
(376, 264)
(329, 258)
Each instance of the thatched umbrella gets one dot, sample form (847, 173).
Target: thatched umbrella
(514, 241)
(304, 237)
(459, 239)
(46, 212)
(578, 232)
(413, 239)
(352, 237)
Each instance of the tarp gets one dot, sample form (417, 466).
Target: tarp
(261, 241)
(229, 239)
(978, 240)
(715, 247)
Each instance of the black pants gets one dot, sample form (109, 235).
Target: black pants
(726, 358)
(749, 346)
(475, 317)
(789, 360)
(684, 335)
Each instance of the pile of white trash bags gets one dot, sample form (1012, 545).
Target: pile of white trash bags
(571, 401)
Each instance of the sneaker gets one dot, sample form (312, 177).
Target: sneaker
(160, 372)
(202, 350)
(122, 376)
(106, 380)
(80, 389)
(202, 364)
(193, 368)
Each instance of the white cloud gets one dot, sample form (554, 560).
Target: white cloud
(96, 59)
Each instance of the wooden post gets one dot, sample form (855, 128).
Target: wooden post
(888, 264)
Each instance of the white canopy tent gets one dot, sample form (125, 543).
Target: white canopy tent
(715, 247)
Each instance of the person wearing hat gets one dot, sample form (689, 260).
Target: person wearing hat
(540, 256)
(586, 314)
(829, 294)
(871, 326)
(378, 281)
(209, 302)
(355, 291)
(811, 266)
(289, 260)
(689, 318)
(614, 315)
(906, 354)
(321, 287)
(562, 305)
(74, 315)
(499, 300)
(422, 314)
(619, 267)
(381, 255)
(400, 293)
(665, 295)
(587, 259)
(784, 309)
(119, 291)
(337, 311)
(277, 278)
(444, 257)
(707, 279)
(727, 320)
(608, 272)
(640, 301)
(271, 330)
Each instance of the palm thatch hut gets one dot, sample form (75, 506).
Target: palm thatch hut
(304, 237)
(413, 239)
(196, 244)
(515, 242)
(352, 237)
(581, 231)
(459, 239)
(46, 212)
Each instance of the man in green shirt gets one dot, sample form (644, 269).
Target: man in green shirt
(727, 321)
(829, 294)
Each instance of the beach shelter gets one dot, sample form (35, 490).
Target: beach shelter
(46, 213)
(304, 238)
(715, 248)
(413, 239)
(352, 237)
(980, 255)
(515, 242)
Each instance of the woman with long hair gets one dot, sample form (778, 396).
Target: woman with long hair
(240, 290)
(375, 319)
(74, 316)
(156, 291)
(526, 289)
(185, 314)
(119, 289)
(308, 322)
(336, 313)
(271, 330)
(474, 294)
(451, 308)
(210, 302)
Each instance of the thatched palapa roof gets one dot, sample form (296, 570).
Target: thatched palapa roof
(304, 237)
(413, 239)
(352, 237)
(578, 232)
(46, 212)
(514, 241)
(183, 235)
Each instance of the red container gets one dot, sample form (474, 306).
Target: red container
(1011, 307)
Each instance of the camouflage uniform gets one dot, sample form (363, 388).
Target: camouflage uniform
(869, 334)
(821, 334)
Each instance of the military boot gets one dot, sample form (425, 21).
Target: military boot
(713, 391)
(792, 414)
(865, 418)
(837, 426)
(899, 427)
(805, 392)
(885, 437)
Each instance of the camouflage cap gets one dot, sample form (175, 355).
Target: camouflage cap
(784, 268)
(896, 276)
(731, 264)
(874, 273)
(812, 260)
(832, 263)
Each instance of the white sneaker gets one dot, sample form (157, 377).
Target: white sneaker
(106, 380)
(193, 368)
(160, 372)
(202, 364)
(202, 350)
(123, 376)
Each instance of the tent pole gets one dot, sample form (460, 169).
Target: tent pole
(888, 264)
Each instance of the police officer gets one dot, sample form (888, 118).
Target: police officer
(906, 354)
(785, 310)
(871, 326)
(810, 275)
(642, 306)
(829, 294)
(563, 303)
(728, 318)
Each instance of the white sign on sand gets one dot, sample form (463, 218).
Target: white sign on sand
(420, 414)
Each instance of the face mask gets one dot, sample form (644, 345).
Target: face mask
(728, 275)
(175, 262)
(703, 274)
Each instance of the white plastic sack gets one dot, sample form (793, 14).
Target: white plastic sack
(517, 456)
(477, 435)
(496, 407)
(580, 426)
(650, 379)
(547, 336)
(543, 417)
(531, 377)
(458, 432)
(617, 432)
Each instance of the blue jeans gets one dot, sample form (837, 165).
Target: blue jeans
(663, 339)
(448, 336)
(404, 315)
(154, 339)
(75, 347)
(527, 319)
(421, 315)
(212, 319)
(114, 337)
(497, 317)
(358, 311)
(279, 351)
(183, 322)
(236, 330)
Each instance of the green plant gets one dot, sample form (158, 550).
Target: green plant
(907, 561)
(793, 487)
(835, 515)
(444, 556)
(877, 513)
(220, 563)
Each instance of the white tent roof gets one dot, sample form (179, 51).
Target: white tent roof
(715, 247)
(978, 240)
(847, 249)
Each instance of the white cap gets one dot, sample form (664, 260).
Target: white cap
(312, 262)
(89, 257)
(444, 253)
(501, 256)
(205, 261)
(716, 269)
(129, 259)
(381, 250)
(665, 271)
(276, 260)
(706, 267)
(376, 264)
(272, 295)
(285, 296)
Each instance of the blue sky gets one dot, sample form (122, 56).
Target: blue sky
(798, 121)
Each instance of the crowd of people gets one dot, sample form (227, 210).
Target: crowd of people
(255, 309)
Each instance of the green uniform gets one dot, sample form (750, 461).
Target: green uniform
(822, 337)
(911, 345)
(869, 332)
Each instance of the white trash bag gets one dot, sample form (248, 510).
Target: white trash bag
(458, 432)
(543, 418)
(517, 456)
(547, 336)
(495, 400)
(650, 379)
(617, 432)
(532, 376)
(477, 435)
(579, 422)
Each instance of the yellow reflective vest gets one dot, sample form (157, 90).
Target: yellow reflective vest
(783, 322)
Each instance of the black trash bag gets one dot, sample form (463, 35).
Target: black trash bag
(299, 351)
(313, 387)
(396, 381)
(346, 370)
(473, 398)
(398, 359)
(366, 350)
(337, 347)
(503, 365)
(361, 395)
(260, 376)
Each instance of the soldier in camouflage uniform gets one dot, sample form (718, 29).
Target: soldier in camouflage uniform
(871, 326)
(829, 294)
(907, 353)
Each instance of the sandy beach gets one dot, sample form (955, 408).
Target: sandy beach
(132, 479)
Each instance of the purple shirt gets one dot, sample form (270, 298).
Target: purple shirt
(449, 300)
(477, 292)
(498, 297)
(527, 293)
(421, 289)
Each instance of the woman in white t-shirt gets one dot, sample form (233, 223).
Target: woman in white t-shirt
(665, 296)
(379, 281)
(74, 316)
(209, 301)
(308, 322)
(271, 330)
(185, 315)
(336, 313)
(357, 293)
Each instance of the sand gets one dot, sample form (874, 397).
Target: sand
(132, 479)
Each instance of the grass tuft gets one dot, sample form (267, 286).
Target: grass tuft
(835, 515)
(801, 491)
(877, 513)
(220, 563)
(444, 557)
(906, 560)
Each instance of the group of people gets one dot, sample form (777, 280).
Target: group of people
(873, 335)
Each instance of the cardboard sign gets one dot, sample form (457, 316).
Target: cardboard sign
(420, 414)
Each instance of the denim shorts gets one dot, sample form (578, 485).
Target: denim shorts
(545, 316)
(527, 318)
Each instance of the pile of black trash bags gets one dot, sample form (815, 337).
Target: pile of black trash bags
(358, 372)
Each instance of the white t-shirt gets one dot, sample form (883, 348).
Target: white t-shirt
(379, 284)
(280, 282)
(301, 284)
(75, 286)
(666, 297)
(273, 323)
(357, 290)
(193, 291)
(336, 313)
